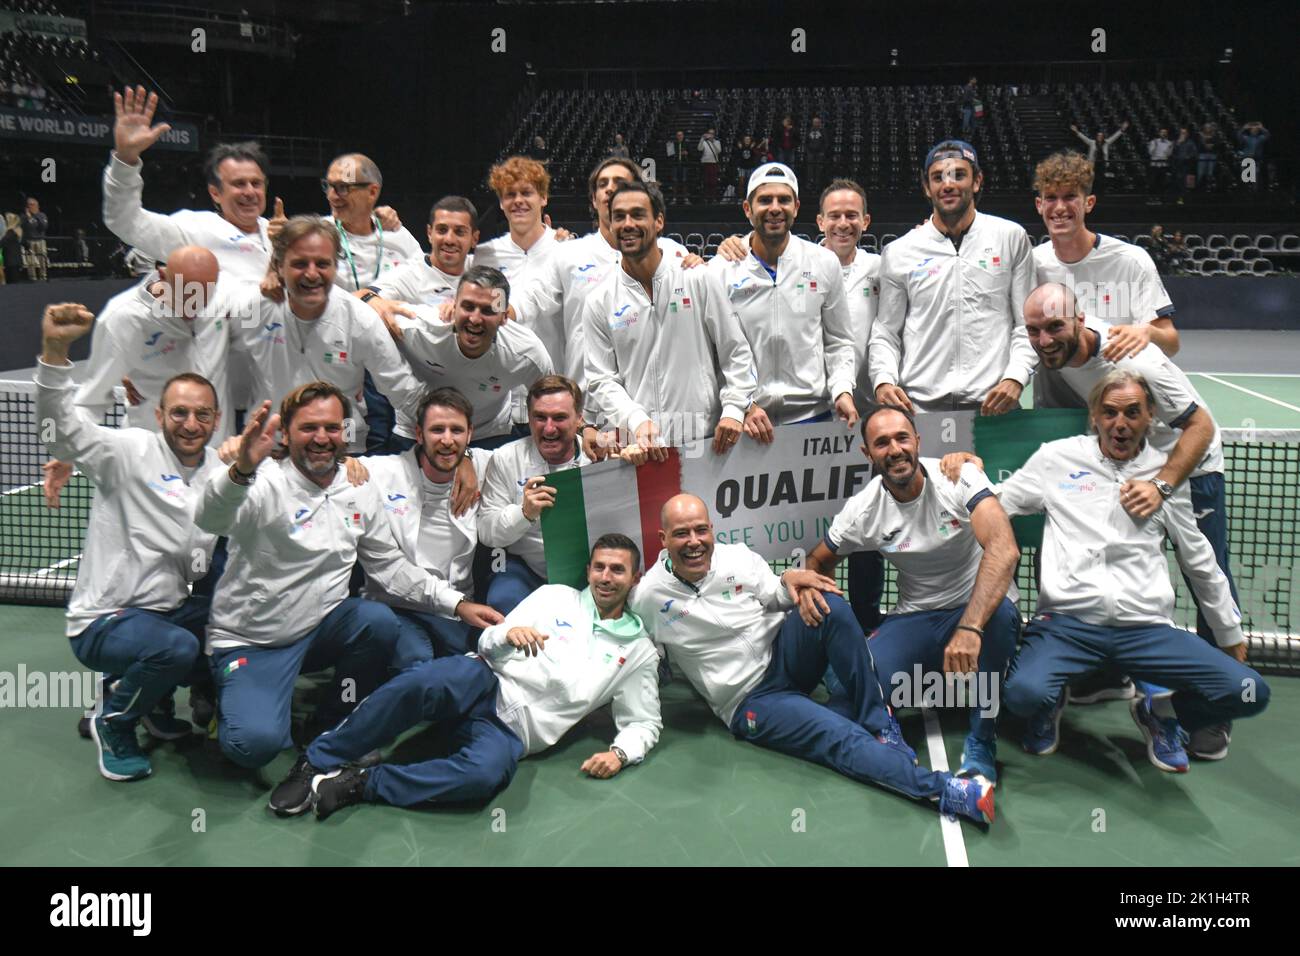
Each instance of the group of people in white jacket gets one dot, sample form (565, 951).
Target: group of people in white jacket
(659, 351)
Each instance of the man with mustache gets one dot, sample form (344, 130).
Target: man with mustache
(514, 496)
(558, 656)
(659, 337)
(754, 647)
(296, 528)
(789, 295)
(319, 332)
(131, 612)
(416, 488)
(956, 557)
(949, 332)
(479, 353)
(1104, 597)
(1071, 345)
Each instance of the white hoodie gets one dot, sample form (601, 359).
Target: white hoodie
(721, 629)
(660, 357)
(142, 549)
(292, 548)
(1099, 563)
(586, 663)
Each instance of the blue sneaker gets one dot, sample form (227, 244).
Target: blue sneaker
(1163, 735)
(892, 737)
(1044, 731)
(969, 797)
(980, 758)
(120, 756)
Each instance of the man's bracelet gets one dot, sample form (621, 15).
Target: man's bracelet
(239, 477)
(969, 627)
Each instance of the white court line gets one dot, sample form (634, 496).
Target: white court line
(1251, 374)
(954, 845)
(57, 565)
(1242, 388)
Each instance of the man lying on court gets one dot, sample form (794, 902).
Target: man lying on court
(558, 656)
(1104, 596)
(727, 619)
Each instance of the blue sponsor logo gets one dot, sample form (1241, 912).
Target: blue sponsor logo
(619, 313)
(1076, 475)
(153, 338)
(299, 513)
(667, 605)
(272, 326)
(744, 279)
(170, 477)
(589, 265)
(559, 623)
(396, 497)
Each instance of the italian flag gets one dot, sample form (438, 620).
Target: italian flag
(604, 498)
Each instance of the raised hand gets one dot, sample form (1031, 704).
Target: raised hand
(277, 221)
(258, 439)
(61, 325)
(133, 132)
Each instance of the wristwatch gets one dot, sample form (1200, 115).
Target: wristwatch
(369, 294)
(619, 753)
(1165, 488)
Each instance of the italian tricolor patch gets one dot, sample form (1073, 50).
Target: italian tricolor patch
(236, 664)
(611, 496)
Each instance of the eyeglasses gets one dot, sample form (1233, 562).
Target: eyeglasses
(341, 188)
(180, 415)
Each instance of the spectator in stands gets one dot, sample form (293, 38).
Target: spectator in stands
(1099, 153)
(1253, 139)
(6, 98)
(11, 245)
(19, 92)
(747, 156)
(969, 99)
(138, 263)
(38, 95)
(1177, 250)
(619, 148)
(538, 151)
(710, 150)
(82, 248)
(1185, 150)
(784, 141)
(677, 162)
(1158, 247)
(35, 225)
(814, 154)
(1159, 151)
(1208, 157)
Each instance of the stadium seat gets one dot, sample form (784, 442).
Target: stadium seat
(1200, 254)
(1238, 267)
(1217, 241)
(1289, 243)
(1261, 267)
(1225, 254)
(1192, 240)
(1120, 236)
(868, 242)
(886, 239)
(1265, 243)
(1211, 267)
(1240, 241)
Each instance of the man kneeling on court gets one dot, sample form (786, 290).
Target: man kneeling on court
(558, 656)
(955, 553)
(727, 619)
(1104, 596)
(296, 528)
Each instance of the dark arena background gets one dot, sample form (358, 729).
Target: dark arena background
(436, 93)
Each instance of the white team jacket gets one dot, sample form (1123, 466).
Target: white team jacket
(585, 664)
(340, 347)
(242, 256)
(721, 630)
(950, 326)
(501, 520)
(142, 549)
(135, 337)
(401, 484)
(292, 548)
(798, 328)
(658, 357)
(1102, 565)
(862, 292)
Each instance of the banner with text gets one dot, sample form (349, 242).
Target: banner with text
(40, 24)
(87, 130)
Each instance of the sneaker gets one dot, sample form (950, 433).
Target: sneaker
(202, 706)
(120, 756)
(83, 725)
(892, 737)
(969, 797)
(293, 794)
(1210, 743)
(162, 722)
(337, 789)
(1100, 686)
(979, 758)
(1044, 731)
(1163, 737)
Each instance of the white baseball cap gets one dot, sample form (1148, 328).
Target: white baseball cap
(778, 173)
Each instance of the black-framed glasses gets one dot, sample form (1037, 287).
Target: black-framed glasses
(180, 414)
(341, 188)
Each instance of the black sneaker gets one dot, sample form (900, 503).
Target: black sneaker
(337, 789)
(293, 795)
(83, 725)
(1102, 686)
(203, 706)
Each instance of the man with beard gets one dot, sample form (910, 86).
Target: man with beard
(432, 279)
(728, 622)
(949, 332)
(1104, 598)
(558, 656)
(789, 295)
(514, 496)
(131, 612)
(479, 353)
(319, 332)
(956, 556)
(296, 528)
(1070, 345)
(659, 337)
(416, 487)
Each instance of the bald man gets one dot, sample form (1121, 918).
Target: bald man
(732, 627)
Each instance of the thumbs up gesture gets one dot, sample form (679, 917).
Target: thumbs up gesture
(277, 221)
